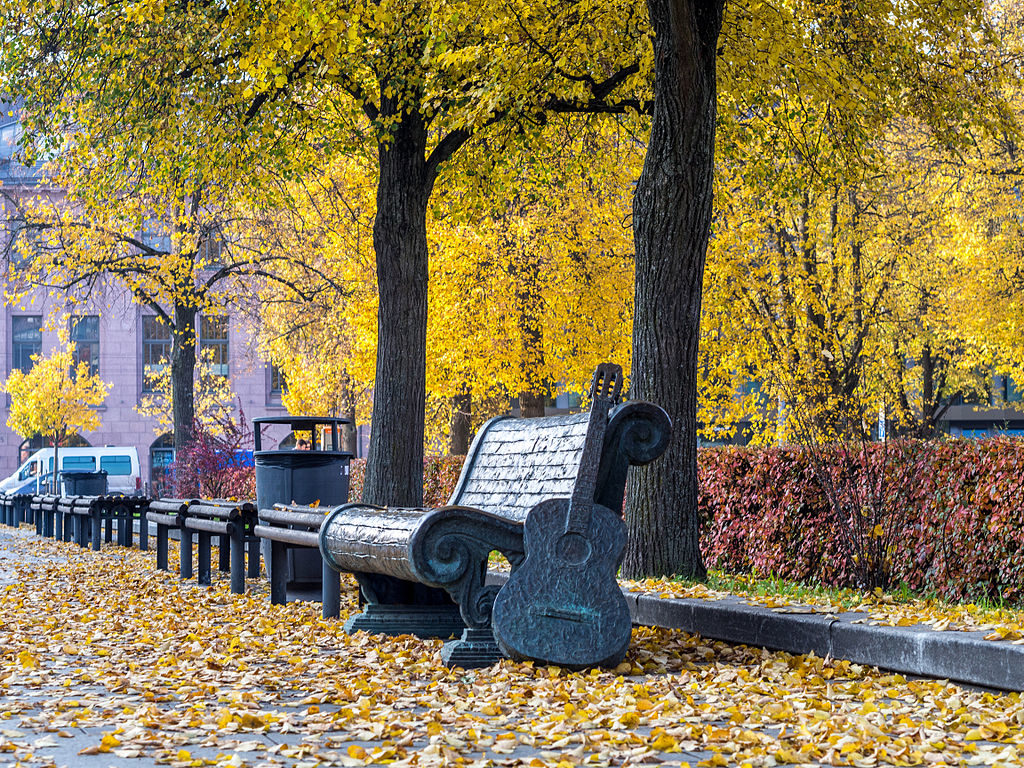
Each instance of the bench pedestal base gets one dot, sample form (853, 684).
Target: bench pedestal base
(476, 648)
(441, 621)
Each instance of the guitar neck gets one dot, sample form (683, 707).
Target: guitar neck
(582, 503)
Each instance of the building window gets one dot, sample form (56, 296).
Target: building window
(9, 140)
(277, 383)
(213, 336)
(156, 350)
(155, 236)
(26, 340)
(211, 252)
(85, 332)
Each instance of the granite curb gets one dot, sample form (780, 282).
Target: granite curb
(964, 657)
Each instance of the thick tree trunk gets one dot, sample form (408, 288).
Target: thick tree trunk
(462, 411)
(183, 369)
(394, 467)
(671, 219)
(531, 333)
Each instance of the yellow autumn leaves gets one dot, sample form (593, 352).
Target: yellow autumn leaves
(196, 676)
(56, 397)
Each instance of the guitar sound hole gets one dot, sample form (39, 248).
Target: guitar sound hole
(573, 549)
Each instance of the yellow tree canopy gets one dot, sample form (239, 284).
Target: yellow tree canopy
(56, 397)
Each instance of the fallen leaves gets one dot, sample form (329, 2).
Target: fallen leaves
(194, 676)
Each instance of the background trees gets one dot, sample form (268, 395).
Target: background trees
(55, 399)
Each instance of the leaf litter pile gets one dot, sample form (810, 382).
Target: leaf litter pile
(103, 644)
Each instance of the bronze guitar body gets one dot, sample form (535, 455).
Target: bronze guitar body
(563, 605)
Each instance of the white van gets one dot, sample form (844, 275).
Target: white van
(120, 462)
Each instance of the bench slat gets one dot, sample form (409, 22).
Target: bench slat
(288, 536)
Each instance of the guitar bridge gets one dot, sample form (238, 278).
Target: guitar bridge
(578, 615)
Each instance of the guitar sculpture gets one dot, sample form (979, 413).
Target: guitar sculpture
(563, 605)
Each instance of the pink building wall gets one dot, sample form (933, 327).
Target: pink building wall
(121, 365)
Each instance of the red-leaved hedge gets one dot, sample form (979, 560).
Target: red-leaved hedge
(955, 512)
(954, 509)
(440, 473)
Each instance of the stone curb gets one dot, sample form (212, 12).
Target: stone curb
(965, 657)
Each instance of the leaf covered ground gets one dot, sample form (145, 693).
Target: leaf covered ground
(133, 666)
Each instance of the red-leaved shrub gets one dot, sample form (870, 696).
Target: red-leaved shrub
(440, 473)
(954, 509)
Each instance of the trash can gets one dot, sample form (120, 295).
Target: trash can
(290, 476)
(83, 482)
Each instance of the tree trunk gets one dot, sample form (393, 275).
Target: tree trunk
(462, 411)
(350, 431)
(183, 369)
(394, 467)
(671, 219)
(531, 333)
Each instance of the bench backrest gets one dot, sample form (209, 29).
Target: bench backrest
(514, 464)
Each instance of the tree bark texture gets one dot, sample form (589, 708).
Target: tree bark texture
(183, 370)
(671, 220)
(394, 466)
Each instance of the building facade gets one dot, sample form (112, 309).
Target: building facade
(119, 339)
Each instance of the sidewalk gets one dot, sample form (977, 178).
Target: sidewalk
(106, 661)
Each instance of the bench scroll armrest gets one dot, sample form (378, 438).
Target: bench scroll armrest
(449, 548)
(638, 432)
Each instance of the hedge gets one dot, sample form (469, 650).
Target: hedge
(953, 512)
(954, 509)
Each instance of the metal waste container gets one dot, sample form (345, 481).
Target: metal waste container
(291, 476)
(83, 482)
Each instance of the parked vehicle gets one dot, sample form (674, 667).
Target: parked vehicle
(121, 464)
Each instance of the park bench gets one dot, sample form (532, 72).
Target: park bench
(231, 521)
(168, 515)
(15, 508)
(423, 571)
(93, 516)
(285, 527)
(44, 508)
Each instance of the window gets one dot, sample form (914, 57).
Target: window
(155, 236)
(211, 251)
(78, 462)
(156, 350)
(277, 383)
(9, 140)
(1013, 394)
(213, 335)
(26, 340)
(85, 332)
(116, 465)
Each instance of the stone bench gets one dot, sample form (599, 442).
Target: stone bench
(423, 571)
(288, 526)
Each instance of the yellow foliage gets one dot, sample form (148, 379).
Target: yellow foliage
(214, 398)
(56, 397)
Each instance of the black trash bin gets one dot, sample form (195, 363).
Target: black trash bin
(289, 476)
(83, 482)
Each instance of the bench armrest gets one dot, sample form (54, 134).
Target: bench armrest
(638, 432)
(449, 548)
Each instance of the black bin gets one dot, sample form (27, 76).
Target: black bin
(83, 482)
(289, 476)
